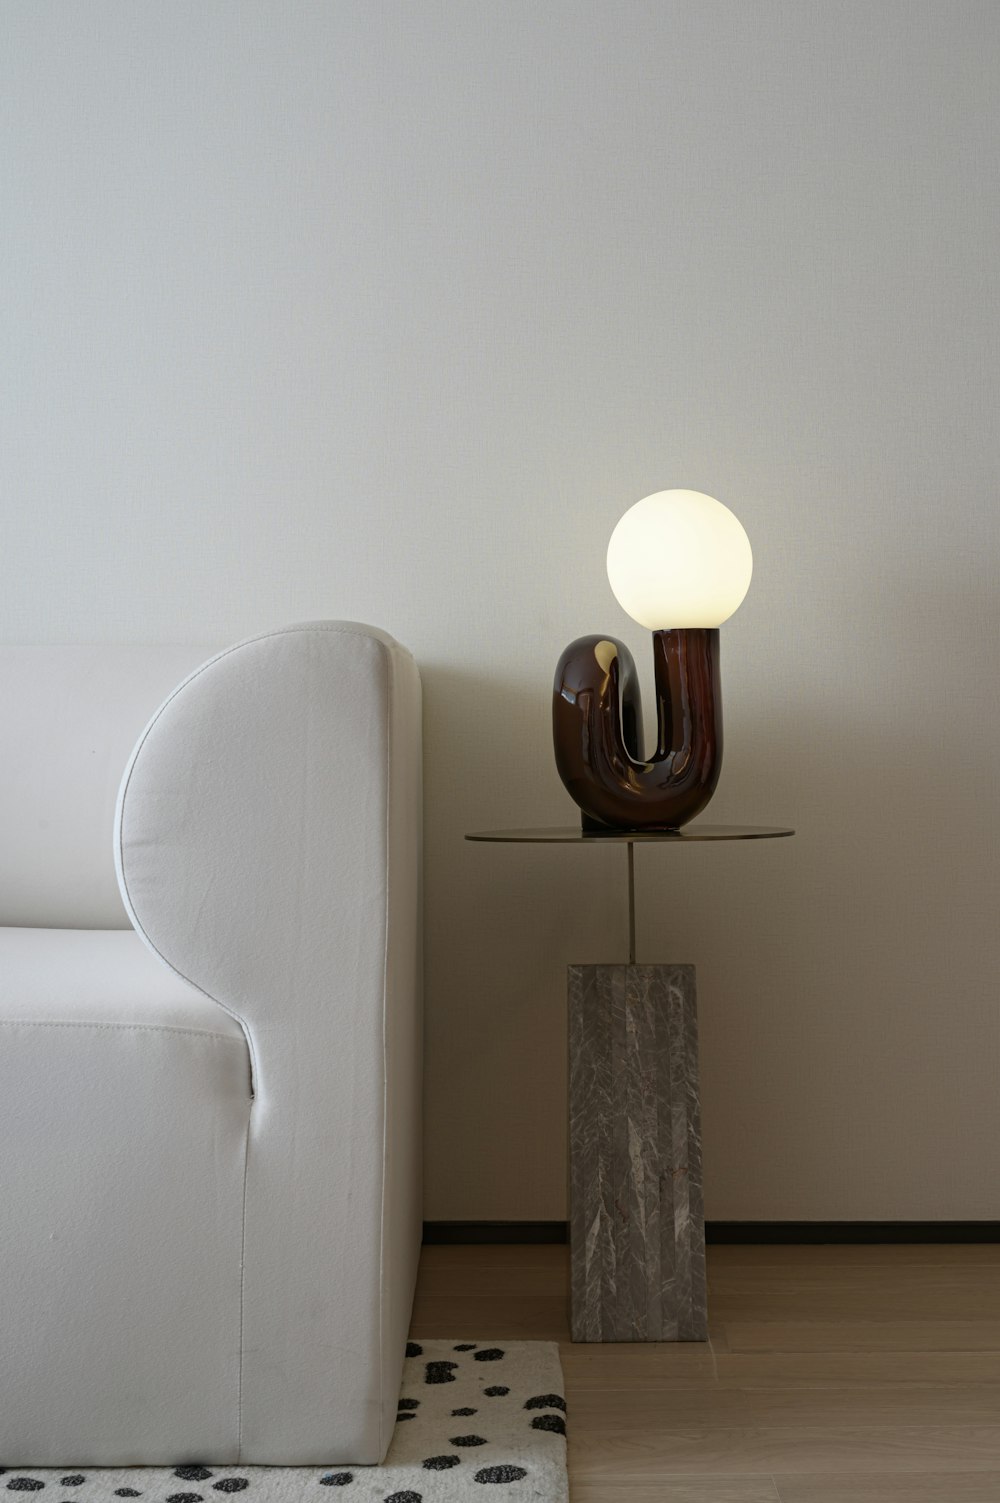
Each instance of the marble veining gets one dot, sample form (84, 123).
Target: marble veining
(637, 1229)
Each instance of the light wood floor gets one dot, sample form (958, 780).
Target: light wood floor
(832, 1374)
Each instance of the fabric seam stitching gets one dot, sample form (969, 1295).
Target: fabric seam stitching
(200, 1033)
(243, 1257)
(389, 711)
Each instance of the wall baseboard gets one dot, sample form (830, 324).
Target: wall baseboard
(774, 1232)
(454, 1233)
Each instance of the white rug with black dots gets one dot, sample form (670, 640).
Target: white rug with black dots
(478, 1422)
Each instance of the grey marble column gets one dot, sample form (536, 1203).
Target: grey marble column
(637, 1227)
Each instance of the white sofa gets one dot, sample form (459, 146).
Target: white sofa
(209, 1067)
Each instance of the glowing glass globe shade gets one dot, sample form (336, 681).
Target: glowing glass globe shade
(678, 559)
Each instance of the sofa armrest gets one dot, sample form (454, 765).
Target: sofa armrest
(268, 850)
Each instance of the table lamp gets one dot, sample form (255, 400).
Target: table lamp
(679, 563)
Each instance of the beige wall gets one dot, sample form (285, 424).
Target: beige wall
(388, 311)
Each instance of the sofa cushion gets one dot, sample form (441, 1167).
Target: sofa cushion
(103, 978)
(124, 1112)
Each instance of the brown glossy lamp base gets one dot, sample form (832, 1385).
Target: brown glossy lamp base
(597, 723)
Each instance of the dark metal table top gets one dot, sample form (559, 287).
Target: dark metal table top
(574, 835)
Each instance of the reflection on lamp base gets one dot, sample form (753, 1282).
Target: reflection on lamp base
(594, 827)
(637, 1227)
(597, 730)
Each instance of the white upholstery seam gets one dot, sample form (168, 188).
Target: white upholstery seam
(389, 702)
(199, 1033)
(243, 1259)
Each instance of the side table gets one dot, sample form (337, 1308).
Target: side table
(637, 1221)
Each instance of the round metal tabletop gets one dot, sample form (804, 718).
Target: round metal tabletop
(574, 835)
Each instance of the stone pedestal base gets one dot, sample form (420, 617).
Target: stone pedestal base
(637, 1227)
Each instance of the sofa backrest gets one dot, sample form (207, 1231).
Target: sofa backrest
(69, 718)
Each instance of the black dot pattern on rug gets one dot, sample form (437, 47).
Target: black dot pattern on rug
(547, 1401)
(501, 1474)
(435, 1372)
(553, 1422)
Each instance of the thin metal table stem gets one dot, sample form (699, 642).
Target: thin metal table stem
(578, 835)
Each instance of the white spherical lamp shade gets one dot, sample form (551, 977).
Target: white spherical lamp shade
(678, 559)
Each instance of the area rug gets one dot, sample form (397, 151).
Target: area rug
(477, 1421)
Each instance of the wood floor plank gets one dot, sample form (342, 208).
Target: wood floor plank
(887, 1276)
(649, 1368)
(867, 1408)
(857, 1407)
(485, 1318)
(878, 1377)
(504, 1280)
(859, 1295)
(855, 1487)
(679, 1490)
(821, 1368)
(663, 1409)
(654, 1452)
(929, 1335)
